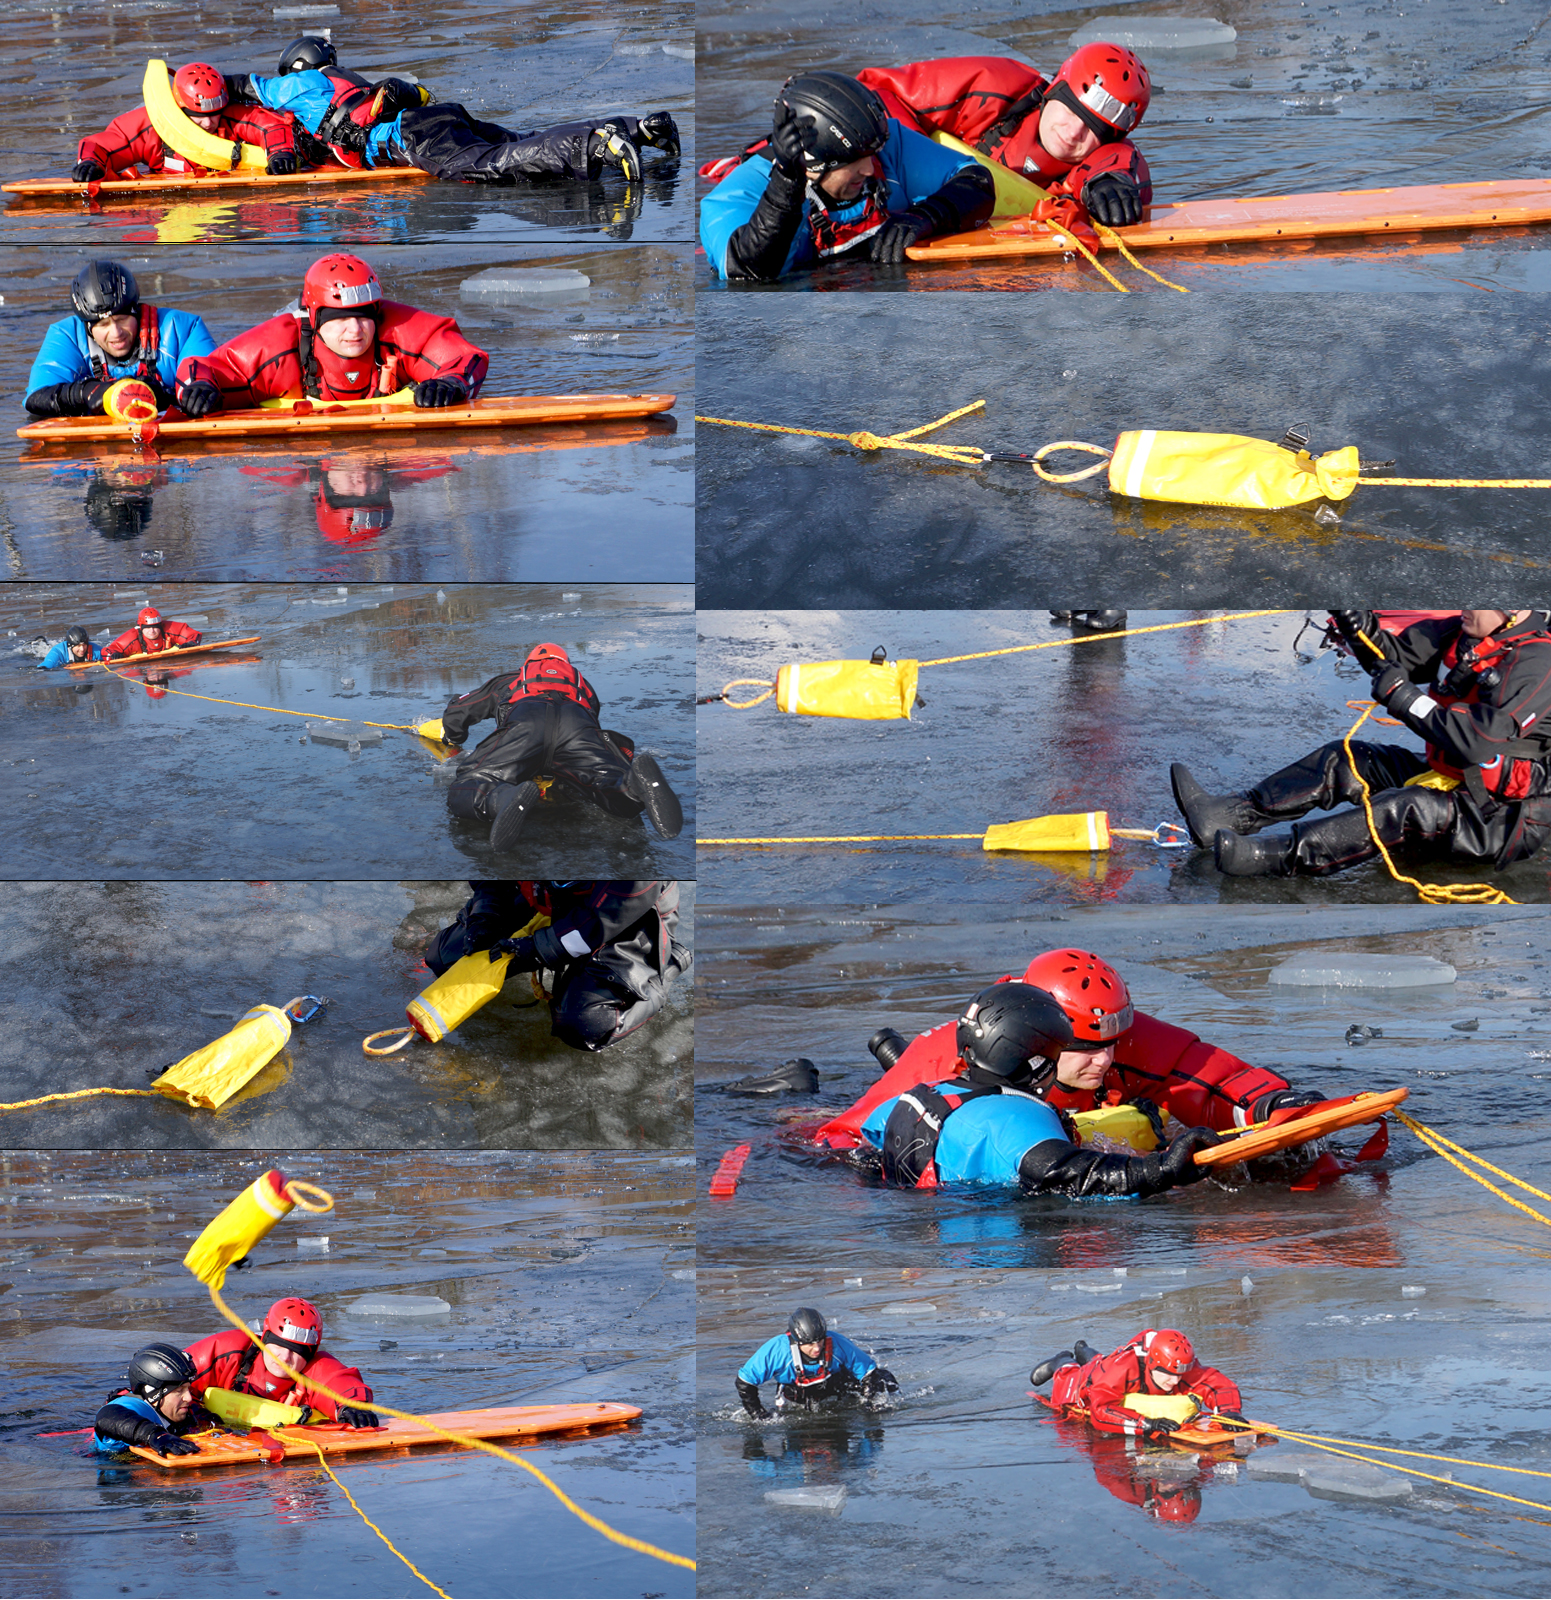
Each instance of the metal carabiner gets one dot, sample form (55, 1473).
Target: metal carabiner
(318, 1003)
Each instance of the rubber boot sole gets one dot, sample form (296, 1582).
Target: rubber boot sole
(649, 788)
(513, 816)
(1048, 1368)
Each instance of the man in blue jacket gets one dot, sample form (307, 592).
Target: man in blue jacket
(811, 1365)
(988, 1125)
(111, 336)
(154, 1408)
(837, 177)
(76, 646)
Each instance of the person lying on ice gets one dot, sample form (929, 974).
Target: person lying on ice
(982, 1122)
(340, 341)
(1155, 1361)
(837, 177)
(342, 119)
(75, 646)
(293, 1334)
(609, 944)
(1476, 687)
(546, 722)
(202, 95)
(111, 336)
(155, 1406)
(810, 1365)
(1069, 134)
(151, 634)
(1117, 1056)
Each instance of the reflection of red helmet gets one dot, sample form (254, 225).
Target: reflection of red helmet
(295, 1324)
(199, 88)
(343, 523)
(150, 617)
(341, 286)
(1092, 994)
(1106, 86)
(1170, 1351)
(1174, 1503)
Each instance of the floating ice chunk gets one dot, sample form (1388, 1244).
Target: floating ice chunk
(1351, 1480)
(909, 1308)
(685, 52)
(572, 594)
(1326, 516)
(830, 1498)
(685, 1274)
(129, 594)
(306, 11)
(1153, 33)
(344, 735)
(854, 1283)
(1339, 970)
(313, 1241)
(502, 283)
(1098, 1288)
(1246, 1284)
(1284, 1466)
(1411, 1291)
(635, 49)
(398, 1305)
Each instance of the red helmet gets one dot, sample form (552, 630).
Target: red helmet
(199, 88)
(1106, 86)
(150, 617)
(296, 1325)
(549, 652)
(1169, 1351)
(340, 285)
(1091, 993)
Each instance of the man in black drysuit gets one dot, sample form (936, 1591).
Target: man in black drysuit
(546, 716)
(609, 943)
(1476, 686)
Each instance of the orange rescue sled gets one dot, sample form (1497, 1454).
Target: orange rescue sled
(1190, 1437)
(219, 1448)
(1299, 1124)
(163, 655)
(1500, 203)
(211, 183)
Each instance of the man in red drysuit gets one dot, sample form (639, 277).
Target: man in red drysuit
(1155, 1361)
(151, 634)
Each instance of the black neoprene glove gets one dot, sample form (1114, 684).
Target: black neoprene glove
(86, 172)
(169, 1444)
(888, 245)
(281, 163)
(748, 1393)
(524, 954)
(198, 398)
(1113, 198)
(660, 131)
(441, 392)
(1280, 1099)
(1351, 624)
(357, 1417)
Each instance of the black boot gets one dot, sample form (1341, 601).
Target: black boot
(798, 1076)
(1048, 1368)
(647, 786)
(510, 805)
(1239, 857)
(1102, 621)
(887, 1046)
(1205, 813)
(1084, 1352)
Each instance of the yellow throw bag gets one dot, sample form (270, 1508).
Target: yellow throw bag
(184, 135)
(431, 728)
(1432, 780)
(469, 983)
(1227, 469)
(1117, 1129)
(1080, 830)
(239, 1227)
(211, 1076)
(249, 1411)
(848, 689)
(130, 400)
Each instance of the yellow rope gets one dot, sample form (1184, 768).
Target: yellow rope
(965, 455)
(1432, 894)
(1119, 633)
(370, 1049)
(75, 1094)
(1039, 455)
(1457, 483)
(313, 716)
(1419, 1455)
(748, 683)
(1110, 237)
(596, 1523)
(363, 1516)
(1436, 1143)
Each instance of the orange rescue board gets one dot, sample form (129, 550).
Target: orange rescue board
(211, 183)
(1501, 203)
(498, 412)
(1305, 1123)
(219, 1447)
(162, 655)
(1189, 1438)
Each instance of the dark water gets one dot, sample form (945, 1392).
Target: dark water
(568, 1279)
(110, 982)
(1307, 98)
(76, 66)
(964, 1486)
(610, 500)
(110, 777)
(782, 981)
(1461, 395)
(1092, 725)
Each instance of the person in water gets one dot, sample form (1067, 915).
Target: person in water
(809, 1364)
(609, 944)
(340, 341)
(546, 721)
(153, 1407)
(151, 635)
(836, 178)
(1156, 1361)
(984, 1123)
(1070, 134)
(111, 336)
(1475, 686)
(292, 1337)
(76, 647)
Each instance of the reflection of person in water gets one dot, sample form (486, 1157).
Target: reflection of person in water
(1166, 1486)
(353, 494)
(815, 1448)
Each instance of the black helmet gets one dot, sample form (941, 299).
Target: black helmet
(807, 1326)
(1013, 1030)
(310, 53)
(77, 635)
(841, 120)
(156, 1369)
(103, 289)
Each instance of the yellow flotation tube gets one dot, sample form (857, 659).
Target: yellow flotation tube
(1016, 196)
(1119, 1129)
(249, 1411)
(400, 397)
(186, 136)
(1180, 1408)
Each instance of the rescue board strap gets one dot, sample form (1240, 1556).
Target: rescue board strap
(596, 1523)
(965, 455)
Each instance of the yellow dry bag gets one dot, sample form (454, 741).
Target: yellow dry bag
(249, 1411)
(239, 1227)
(1227, 469)
(186, 136)
(211, 1076)
(469, 983)
(1079, 830)
(1118, 1129)
(862, 689)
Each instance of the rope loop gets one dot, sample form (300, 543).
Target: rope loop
(747, 683)
(1070, 477)
(297, 1193)
(404, 1036)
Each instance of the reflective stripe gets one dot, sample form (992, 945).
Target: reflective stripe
(356, 294)
(574, 944)
(433, 1017)
(934, 1123)
(1103, 104)
(1139, 455)
(261, 1192)
(1094, 842)
(793, 687)
(1423, 704)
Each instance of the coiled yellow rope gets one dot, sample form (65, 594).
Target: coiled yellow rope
(965, 455)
